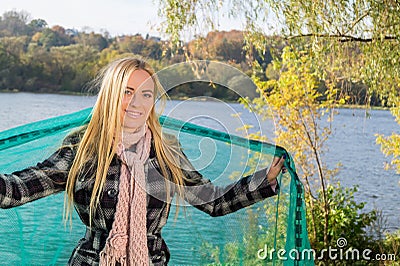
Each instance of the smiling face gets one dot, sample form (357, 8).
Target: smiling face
(138, 100)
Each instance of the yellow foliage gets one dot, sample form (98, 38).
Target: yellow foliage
(36, 37)
(390, 146)
(297, 106)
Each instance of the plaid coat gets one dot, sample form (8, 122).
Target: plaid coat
(49, 177)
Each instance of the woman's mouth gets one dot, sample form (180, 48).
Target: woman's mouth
(133, 114)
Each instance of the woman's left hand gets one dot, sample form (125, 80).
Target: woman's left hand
(276, 168)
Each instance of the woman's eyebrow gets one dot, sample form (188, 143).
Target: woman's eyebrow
(145, 90)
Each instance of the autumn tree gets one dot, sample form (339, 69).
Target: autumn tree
(14, 23)
(38, 24)
(91, 39)
(353, 42)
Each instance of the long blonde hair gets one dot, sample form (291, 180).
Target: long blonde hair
(98, 144)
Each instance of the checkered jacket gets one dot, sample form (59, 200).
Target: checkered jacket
(49, 177)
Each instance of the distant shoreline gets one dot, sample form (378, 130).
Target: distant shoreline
(182, 98)
(177, 98)
(358, 106)
(47, 92)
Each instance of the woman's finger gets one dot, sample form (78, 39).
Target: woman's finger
(278, 161)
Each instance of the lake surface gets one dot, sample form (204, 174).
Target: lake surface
(352, 144)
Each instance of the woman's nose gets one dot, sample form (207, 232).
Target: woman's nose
(133, 101)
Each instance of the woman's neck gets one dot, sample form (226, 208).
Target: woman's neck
(132, 136)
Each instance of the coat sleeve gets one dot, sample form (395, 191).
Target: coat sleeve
(46, 178)
(217, 201)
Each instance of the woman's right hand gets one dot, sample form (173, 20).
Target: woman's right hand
(276, 168)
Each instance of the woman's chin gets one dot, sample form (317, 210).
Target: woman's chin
(133, 127)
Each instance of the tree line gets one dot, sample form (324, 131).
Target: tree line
(35, 57)
(38, 58)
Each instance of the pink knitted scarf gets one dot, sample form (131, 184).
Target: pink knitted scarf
(127, 240)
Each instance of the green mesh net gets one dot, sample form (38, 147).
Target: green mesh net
(34, 234)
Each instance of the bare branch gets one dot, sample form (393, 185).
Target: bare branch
(342, 38)
(359, 19)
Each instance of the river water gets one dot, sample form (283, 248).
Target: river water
(352, 144)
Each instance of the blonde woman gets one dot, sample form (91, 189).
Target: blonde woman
(120, 174)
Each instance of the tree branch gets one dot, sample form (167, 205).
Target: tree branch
(366, 13)
(343, 38)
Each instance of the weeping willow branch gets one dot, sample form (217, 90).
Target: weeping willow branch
(343, 38)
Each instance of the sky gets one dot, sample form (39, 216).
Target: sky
(118, 17)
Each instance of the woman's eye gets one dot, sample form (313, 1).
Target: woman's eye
(128, 92)
(148, 95)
